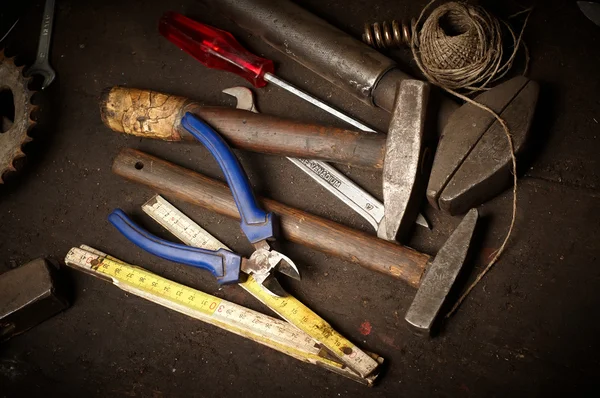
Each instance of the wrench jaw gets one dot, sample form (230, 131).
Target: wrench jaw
(244, 97)
(44, 70)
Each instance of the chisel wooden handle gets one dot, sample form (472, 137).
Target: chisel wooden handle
(296, 225)
(155, 115)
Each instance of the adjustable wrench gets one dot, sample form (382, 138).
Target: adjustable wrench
(42, 65)
(327, 176)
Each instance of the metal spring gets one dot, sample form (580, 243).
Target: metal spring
(385, 35)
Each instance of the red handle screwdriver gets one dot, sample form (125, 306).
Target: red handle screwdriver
(217, 49)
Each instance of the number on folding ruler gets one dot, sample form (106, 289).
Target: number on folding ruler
(155, 284)
(180, 225)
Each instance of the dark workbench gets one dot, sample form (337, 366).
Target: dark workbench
(528, 329)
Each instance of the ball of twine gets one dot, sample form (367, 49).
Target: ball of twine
(459, 47)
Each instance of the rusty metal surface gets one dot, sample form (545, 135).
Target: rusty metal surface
(14, 133)
(441, 275)
(403, 159)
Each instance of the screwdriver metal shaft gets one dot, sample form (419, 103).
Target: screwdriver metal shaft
(316, 102)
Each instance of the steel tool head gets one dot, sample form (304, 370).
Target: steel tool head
(31, 293)
(473, 163)
(403, 158)
(244, 96)
(263, 264)
(441, 275)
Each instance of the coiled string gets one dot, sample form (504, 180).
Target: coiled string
(459, 48)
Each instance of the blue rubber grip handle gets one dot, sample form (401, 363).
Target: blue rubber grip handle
(256, 223)
(223, 264)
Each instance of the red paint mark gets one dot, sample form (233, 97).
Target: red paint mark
(463, 387)
(365, 328)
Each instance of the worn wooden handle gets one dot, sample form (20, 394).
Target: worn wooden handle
(155, 115)
(296, 225)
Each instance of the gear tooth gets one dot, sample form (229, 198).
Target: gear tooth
(16, 81)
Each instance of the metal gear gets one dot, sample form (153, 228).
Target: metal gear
(14, 133)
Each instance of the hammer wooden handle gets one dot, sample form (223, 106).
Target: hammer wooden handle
(151, 114)
(296, 225)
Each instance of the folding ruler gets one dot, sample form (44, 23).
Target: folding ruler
(312, 340)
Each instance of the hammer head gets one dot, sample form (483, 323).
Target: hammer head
(441, 275)
(472, 163)
(403, 159)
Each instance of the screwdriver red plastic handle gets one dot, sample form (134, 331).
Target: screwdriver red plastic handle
(214, 48)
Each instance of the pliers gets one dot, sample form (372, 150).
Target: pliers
(256, 224)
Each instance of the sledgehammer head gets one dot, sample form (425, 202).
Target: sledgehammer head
(472, 163)
(441, 275)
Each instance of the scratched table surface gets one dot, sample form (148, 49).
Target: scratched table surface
(529, 329)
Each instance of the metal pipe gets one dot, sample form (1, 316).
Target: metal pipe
(322, 48)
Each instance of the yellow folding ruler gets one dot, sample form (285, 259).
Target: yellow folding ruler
(312, 340)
